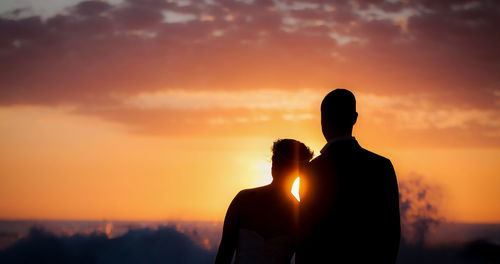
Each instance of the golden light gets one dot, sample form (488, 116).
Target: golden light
(295, 188)
(264, 171)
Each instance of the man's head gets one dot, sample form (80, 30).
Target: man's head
(338, 113)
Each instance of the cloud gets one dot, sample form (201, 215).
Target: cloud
(112, 59)
(413, 120)
(420, 112)
(259, 99)
(96, 48)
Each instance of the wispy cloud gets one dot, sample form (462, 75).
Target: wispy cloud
(249, 99)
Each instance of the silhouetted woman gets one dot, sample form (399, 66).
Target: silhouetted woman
(261, 223)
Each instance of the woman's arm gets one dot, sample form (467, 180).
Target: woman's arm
(229, 234)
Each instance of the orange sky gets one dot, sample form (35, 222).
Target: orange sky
(136, 110)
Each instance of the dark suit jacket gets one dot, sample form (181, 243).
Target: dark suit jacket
(349, 209)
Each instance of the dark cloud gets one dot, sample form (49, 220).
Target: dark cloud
(128, 48)
(137, 17)
(91, 8)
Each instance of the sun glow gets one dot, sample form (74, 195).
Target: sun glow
(295, 188)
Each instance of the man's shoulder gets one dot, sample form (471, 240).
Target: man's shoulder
(361, 152)
(360, 155)
(374, 160)
(374, 156)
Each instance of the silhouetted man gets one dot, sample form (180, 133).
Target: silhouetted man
(349, 209)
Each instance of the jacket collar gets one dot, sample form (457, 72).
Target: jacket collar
(334, 141)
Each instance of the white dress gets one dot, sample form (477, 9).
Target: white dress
(253, 248)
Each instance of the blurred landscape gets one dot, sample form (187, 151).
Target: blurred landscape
(204, 234)
(46, 241)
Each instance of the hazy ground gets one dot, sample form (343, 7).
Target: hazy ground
(196, 242)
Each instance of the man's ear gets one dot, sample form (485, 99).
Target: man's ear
(355, 118)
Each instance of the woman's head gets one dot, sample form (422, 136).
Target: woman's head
(289, 156)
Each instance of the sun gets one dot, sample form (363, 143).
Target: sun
(295, 188)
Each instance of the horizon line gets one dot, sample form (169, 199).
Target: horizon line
(178, 220)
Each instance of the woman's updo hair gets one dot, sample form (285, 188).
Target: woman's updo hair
(290, 154)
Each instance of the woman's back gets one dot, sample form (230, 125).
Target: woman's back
(267, 227)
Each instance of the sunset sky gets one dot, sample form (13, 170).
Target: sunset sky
(164, 110)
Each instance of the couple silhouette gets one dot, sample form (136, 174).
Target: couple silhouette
(349, 201)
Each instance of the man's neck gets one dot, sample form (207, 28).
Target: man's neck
(333, 133)
(333, 136)
(336, 139)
